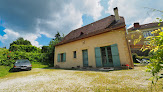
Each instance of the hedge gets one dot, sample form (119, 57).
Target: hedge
(7, 58)
(24, 48)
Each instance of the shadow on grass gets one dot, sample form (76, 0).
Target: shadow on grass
(12, 70)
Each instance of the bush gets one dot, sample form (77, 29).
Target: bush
(24, 48)
(45, 49)
(7, 58)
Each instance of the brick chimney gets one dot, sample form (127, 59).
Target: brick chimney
(136, 25)
(116, 14)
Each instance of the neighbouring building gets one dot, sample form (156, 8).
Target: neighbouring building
(99, 44)
(144, 31)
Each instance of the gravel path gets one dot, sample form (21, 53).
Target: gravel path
(46, 81)
(52, 80)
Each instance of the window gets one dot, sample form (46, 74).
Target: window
(62, 57)
(147, 33)
(74, 54)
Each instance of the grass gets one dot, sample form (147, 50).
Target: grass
(4, 70)
(39, 65)
(136, 63)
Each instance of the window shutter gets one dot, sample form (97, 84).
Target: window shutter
(98, 57)
(115, 55)
(59, 57)
(64, 57)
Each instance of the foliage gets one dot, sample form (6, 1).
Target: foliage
(155, 45)
(23, 45)
(156, 54)
(51, 48)
(45, 49)
(7, 58)
(25, 48)
(21, 41)
(22, 49)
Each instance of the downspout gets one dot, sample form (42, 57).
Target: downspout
(131, 60)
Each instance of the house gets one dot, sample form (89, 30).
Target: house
(99, 44)
(144, 31)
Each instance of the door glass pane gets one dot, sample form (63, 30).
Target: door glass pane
(104, 61)
(109, 54)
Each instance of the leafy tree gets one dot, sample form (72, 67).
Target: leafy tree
(45, 49)
(155, 46)
(20, 41)
(51, 48)
(57, 36)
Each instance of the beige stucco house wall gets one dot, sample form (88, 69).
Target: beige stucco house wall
(99, 44)
(105, 39)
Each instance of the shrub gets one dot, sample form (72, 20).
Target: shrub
(7, 58)
(24, 48)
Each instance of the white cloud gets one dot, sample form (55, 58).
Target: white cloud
(32, 38)
(70, 17)
(7, 38)
(135, 10)
(31, 18)
(11, 36)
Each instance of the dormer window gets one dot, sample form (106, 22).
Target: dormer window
(81, 33)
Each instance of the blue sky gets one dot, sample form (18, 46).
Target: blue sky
(39, 20)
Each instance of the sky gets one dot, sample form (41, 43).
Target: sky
(39, 20)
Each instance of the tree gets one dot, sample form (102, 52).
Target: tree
(20, 41)
(51, 47)
(155, 46)
(57, 36)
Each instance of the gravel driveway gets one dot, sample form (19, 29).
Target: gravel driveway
(52, 80)
(45, 81)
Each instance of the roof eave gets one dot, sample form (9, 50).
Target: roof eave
(108, 30)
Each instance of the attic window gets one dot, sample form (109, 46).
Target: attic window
(81, 33)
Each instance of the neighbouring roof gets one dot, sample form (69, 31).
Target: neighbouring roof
(98, 27)
(146, 26)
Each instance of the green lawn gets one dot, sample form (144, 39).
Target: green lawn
(39, 65)
(4, 70)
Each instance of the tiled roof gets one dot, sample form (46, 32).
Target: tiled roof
(146, 26)
(98, 27)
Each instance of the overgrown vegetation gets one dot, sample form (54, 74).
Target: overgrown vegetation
(22, 49)
(8, 58)
(155, 45)
(25, 48)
